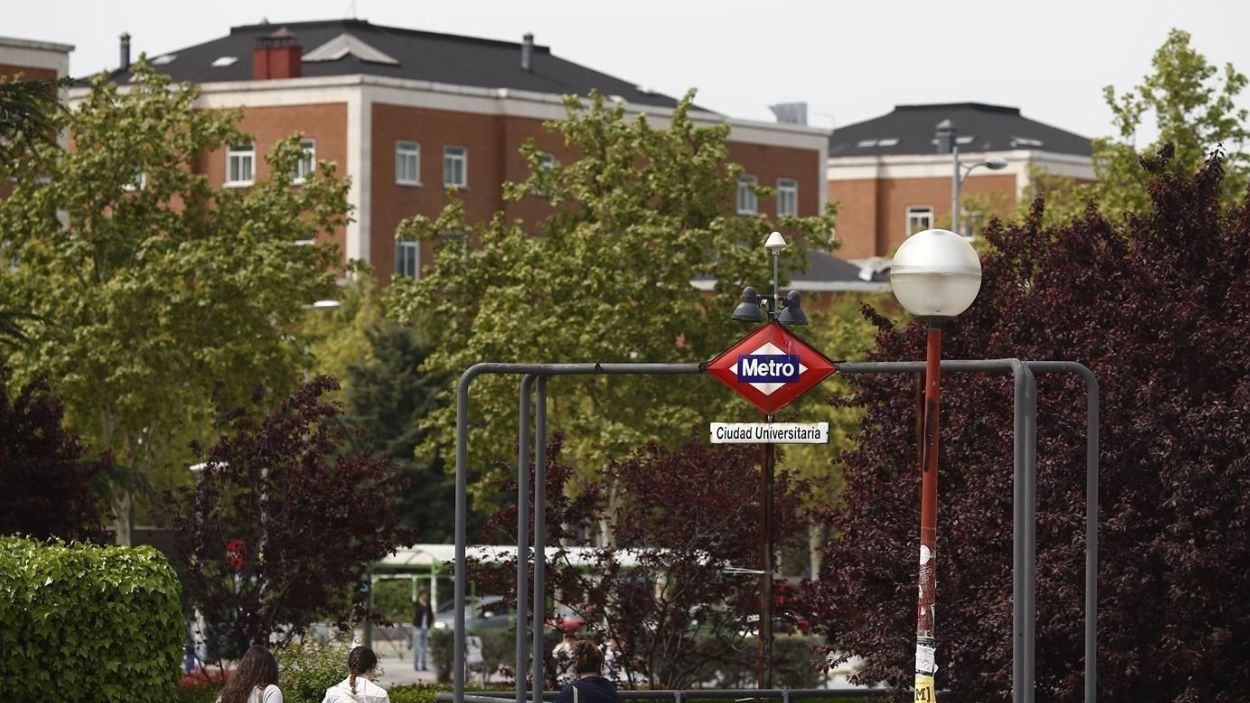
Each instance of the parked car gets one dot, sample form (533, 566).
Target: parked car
(481, 613)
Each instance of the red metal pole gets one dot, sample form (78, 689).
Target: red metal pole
(926, 645)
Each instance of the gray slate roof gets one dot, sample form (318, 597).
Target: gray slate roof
(424, 56)
(909, 129)
(825, 273)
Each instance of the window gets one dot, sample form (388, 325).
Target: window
(408, 163)
(407, 259)
(305, 167)
(223, 61)
(919, 218)
(240, 164)
(139, 182)
(455, 167)
(545, 162)
(746, 195)
(787, 197)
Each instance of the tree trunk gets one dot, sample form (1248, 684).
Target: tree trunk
(121, 518)
(815, 545)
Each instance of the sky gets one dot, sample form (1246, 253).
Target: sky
(850, 61)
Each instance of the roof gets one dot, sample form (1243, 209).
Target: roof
(37, 45)
(825, 273)
(910, 129)
(352, 47)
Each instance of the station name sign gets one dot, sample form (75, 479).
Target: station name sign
(769, 432)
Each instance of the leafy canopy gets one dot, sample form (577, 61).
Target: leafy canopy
(1194, 104)
(166, 297)
(639, 214)
(1159, 317)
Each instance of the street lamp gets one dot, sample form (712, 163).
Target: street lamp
(946, 139)
(790, 313)
(935, 275)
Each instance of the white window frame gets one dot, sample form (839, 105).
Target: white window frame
(787, 192)
(748, 201)
(307, 165)
(241, 152)
(402, 247)
(918, 213)
(450, 156)
(407, 150)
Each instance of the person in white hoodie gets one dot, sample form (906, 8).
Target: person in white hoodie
(358, 687)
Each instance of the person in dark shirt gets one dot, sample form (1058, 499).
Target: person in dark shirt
(422, 623)
(589, 686)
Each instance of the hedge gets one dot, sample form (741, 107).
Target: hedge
(88, 623)
(795, 663)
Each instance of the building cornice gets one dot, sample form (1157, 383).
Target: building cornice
(493, 101)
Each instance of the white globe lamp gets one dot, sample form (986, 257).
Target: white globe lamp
(935, 274)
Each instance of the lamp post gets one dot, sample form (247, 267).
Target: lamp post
(935, 276)
(788, 313)
(946, 139)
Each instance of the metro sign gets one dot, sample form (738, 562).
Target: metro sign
(771, 367)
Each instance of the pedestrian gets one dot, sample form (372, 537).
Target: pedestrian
(255, 680)
(358, 687)
(422, 623)
(589, 686)
(563, 654)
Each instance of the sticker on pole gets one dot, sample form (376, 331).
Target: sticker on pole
(771, 367)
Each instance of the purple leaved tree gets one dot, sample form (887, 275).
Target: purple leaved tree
(282, 524)
(1158, 309)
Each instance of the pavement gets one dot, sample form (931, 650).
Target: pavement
(395, 660)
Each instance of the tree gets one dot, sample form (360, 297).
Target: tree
(1159, 317)
(841, 332)
(168, 299)
(670, 590)
(638, 215)
(387, 396)
(27, 109)
(1194, 104)
(282, 522)
(47, 487)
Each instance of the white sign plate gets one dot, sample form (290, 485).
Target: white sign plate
(770, 432)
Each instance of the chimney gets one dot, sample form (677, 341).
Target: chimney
(527, 51)
(125, 50)
(277, 55)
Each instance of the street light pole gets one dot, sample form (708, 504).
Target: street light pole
(947, 139)
(935, 275)
(755, 309)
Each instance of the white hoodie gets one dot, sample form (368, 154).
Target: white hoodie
(366, 692)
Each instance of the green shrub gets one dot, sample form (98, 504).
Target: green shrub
(307, 668)
(498, 649)
(415, 694)
(88, 623)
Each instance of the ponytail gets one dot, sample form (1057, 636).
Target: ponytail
(359, 661)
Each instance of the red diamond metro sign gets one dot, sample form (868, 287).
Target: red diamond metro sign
(771, 367)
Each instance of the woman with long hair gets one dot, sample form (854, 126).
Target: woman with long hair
(255, 680)
(358, 687)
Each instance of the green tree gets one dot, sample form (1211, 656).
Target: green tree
(1194, 104)
(387, 396)
(840, 331)
(635, 218)
(168, 299)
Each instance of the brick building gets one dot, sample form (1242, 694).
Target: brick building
(33, 60)
(408, 115)
(890, 181)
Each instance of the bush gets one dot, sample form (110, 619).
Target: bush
(498, 649)
(90, 623)
(797, 662)
(309, 667)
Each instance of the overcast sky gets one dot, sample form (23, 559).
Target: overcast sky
(849, 61)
